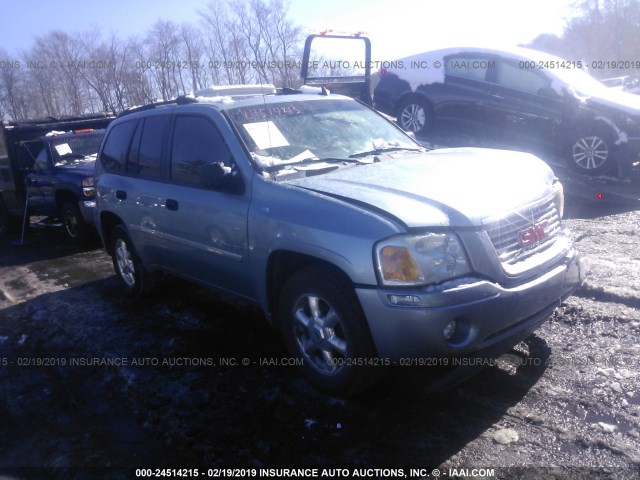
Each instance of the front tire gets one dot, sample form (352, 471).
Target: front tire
(133, 277)
(414, 115)
(75, 228)
(323, 324)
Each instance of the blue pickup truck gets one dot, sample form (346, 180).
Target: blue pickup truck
(48, 172)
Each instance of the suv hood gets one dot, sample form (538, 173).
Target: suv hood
(447, 187)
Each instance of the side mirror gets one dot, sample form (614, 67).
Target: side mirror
(215, 175)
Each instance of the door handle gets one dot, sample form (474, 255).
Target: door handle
(171, 204)
(121, 195)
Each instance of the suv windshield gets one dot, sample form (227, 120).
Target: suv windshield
(326, 129)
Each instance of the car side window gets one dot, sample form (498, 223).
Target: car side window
(196, 142)
(146, 154)
(473, 67)
(116, 146)
(27, 153)
(510, 75)
(42, 160)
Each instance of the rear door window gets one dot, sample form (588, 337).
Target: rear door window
(469, 66)
(510, 75)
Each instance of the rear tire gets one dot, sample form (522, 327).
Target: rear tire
(134, 279)
(414, 115)
(323, 324)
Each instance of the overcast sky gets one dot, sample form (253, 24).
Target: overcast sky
(397, 27)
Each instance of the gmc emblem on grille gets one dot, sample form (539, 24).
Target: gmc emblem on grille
(532, 234)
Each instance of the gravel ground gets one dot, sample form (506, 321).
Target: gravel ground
(175, 393)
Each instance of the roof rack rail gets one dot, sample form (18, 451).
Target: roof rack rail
(236, 90)
(181, 100)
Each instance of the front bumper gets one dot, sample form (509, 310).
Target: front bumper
(489, 317)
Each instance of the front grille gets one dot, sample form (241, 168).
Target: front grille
(516, 236)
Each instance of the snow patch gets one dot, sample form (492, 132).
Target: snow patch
(607, 427)
(506, 436)
(616, 387)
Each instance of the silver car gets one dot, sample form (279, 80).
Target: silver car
(364, 248)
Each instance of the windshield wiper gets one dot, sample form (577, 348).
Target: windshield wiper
(310, 162)
(383, 150)
(284, 164)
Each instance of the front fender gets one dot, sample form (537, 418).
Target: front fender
(292, 219)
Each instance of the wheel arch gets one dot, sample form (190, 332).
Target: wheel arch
(415, 95)
(284, 263)
(63, 196)
(108, 221)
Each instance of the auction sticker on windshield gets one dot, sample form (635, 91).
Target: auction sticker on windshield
(266, 135)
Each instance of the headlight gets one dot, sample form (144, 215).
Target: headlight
(632, 126)
(88, 189)
(420, 259)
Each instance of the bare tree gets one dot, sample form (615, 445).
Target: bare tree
(215, 20)
(162, 44)
(280, 38)
(235, 43)
(64, 56)
(11, 89)
(606, 33)
(193, 49)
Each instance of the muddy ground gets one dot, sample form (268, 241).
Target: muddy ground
(564, 404)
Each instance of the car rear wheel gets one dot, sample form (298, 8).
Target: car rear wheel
(133, 277)
(414, 115)
(76, 229)
(591, 154)
(323, 325)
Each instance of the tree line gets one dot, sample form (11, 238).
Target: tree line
(234, 43)
(604, 36)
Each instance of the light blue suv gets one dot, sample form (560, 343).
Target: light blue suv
(364, 248)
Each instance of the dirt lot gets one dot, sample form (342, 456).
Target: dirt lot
(93, 385)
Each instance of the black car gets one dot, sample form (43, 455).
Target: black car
(521, 98)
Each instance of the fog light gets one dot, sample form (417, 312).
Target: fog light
(405, 300)
(449, 330)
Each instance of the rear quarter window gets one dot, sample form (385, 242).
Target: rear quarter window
(145, 158)
(117, 146)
